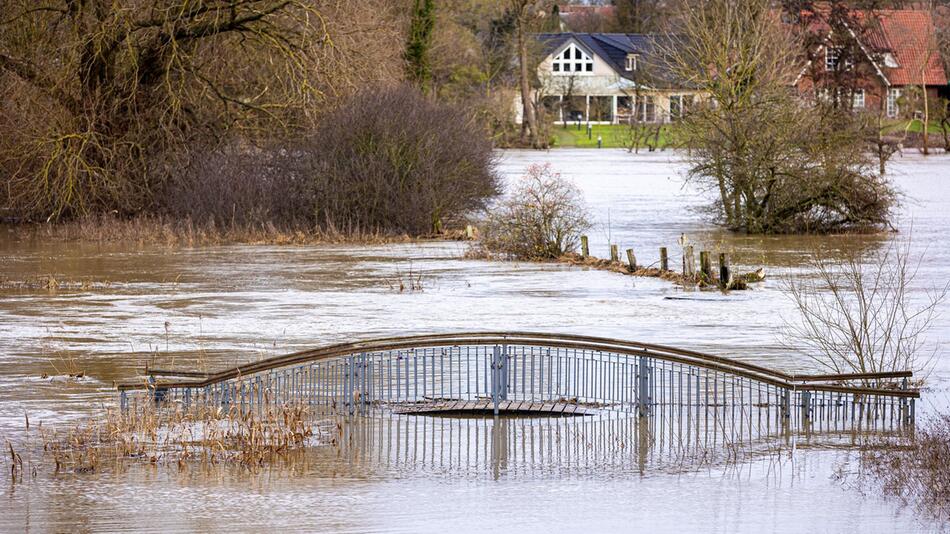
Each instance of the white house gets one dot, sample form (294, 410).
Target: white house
(606, 78)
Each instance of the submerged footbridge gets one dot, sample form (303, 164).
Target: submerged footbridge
(523, 373)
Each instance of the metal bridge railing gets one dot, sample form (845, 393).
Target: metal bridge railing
(534, 372)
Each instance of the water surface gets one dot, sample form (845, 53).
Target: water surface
(213, 307)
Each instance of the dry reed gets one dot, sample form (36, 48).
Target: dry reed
(159, 433)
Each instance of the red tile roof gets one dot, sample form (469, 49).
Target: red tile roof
(912, 39)
(909, 35)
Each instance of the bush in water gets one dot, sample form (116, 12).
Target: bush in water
(542, 218)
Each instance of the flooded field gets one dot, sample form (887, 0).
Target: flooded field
(119, 307)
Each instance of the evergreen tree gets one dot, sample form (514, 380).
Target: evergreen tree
(418, 67)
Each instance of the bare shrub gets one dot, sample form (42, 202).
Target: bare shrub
(542, 218)
(862, 315)
(915, 467)
(240, 187)
(391, 159)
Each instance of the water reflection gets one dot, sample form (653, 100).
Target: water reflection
(608, 445)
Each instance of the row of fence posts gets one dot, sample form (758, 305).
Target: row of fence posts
(689, 262)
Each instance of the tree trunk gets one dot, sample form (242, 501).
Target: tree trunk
(926, 130)
(529, 126)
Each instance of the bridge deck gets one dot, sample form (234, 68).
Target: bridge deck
(486, 407)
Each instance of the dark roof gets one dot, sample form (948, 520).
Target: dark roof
(614, 48)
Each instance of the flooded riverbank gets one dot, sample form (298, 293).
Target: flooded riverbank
(213, 307)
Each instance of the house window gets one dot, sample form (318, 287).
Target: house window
(646, 109)
(631, 64)
(857, 99)
(572, 60)
(833, 58)
(679, 106)
(832, 55)
(892, 108)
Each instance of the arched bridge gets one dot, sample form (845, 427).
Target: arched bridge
(532, 373)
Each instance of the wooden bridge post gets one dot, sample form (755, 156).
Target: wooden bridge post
(631, 259)
(664, 260)
(585, 249)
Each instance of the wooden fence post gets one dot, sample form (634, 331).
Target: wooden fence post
(664, 260)
(585, 250)
(614, 253)
(705, 266)
(631, 259)
(725, 277)
(689, 262)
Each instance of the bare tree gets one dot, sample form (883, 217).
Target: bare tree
(527, 13)
(105, 99)
(863, 315)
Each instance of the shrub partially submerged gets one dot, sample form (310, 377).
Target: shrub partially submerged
(915, 467)
(542, 218)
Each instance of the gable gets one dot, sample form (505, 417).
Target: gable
(572, 58)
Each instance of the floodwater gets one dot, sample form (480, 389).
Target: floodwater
(213, 307)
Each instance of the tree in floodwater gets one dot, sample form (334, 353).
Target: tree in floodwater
(777, 165)
(418, 66)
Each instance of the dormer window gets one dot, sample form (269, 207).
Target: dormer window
(631, 64)
(572, 60)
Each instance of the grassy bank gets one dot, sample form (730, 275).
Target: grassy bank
(619, 135)
(614, 136)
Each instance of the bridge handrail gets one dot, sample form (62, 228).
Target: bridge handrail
(569, 341)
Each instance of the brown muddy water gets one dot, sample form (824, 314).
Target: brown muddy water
(119, 306)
